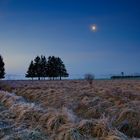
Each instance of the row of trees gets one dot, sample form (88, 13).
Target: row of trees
(53, 67)
(40, 68)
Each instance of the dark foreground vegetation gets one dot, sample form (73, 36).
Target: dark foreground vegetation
(70, 110)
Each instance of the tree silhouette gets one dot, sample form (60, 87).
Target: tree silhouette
(62, 72)
(2, 69)
(89, 78)
(37, 67)
(52, 68)
(56, 68)
(43, 66)
(31, 70)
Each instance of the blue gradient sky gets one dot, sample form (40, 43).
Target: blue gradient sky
(62, 28)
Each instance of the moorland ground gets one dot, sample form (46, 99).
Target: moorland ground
(70, 110)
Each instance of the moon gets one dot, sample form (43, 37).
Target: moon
(93, 28)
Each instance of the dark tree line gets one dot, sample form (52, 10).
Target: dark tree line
(2, 69)
(53, 67)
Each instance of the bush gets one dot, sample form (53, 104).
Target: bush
(89, 78)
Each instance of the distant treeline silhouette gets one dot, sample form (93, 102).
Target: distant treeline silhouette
(40, 68)
(125, 77)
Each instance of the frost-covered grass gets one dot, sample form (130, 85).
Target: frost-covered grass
(73, 110)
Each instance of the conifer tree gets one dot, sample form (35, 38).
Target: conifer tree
(56, 68)
(43, 66)
(31, 70)
(51, 67)
(2, 69)
(61, 69)
(37, 66)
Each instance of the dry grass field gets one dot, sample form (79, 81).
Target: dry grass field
(70, 110)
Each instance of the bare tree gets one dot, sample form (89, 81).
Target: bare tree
(89, 78)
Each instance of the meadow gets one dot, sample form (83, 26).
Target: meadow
(70, 110)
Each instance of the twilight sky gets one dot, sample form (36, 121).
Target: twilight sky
(62, 28)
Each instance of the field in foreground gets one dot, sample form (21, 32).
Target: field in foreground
(70, 110)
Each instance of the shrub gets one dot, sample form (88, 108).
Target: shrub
(89, 78)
